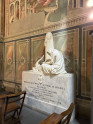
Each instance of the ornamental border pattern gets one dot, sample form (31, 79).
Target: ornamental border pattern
(75, 21)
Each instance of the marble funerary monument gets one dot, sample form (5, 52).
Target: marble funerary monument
(49, 87)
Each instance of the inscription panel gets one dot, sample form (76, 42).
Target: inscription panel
(51, 89)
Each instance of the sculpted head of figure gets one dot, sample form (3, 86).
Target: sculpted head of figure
(48, 44)
(48, 38)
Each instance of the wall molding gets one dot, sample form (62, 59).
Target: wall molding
(64, 24)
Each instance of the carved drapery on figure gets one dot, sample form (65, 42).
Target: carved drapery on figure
(56, 64)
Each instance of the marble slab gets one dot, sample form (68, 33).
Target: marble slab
(48, 93)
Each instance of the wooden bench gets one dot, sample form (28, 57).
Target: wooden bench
(63, 118)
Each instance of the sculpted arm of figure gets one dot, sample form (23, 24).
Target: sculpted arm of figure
(37, 63)
(49, 61)
(38, 67)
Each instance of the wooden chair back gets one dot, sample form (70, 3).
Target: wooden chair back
(12, 100)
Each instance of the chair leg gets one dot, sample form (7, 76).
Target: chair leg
(18, 120)
(60, 122)
(14, 114)
(16, 111)
(19, 113)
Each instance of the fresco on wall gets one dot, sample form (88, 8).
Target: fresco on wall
(17, 10)
(11, 1)
(35, 6)
(1, 60)
(37, 49)
(86, 69)
(22, 58)
(60, 12)
(9, 65)
(54, 10)
(68, 43)
(22, 8)
(11, 13)
(30, 6)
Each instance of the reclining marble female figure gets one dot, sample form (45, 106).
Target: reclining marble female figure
(55, 65)
(54, 60)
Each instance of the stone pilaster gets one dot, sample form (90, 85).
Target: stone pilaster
(6, 17)
(1, 19)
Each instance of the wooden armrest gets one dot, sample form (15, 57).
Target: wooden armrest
(68, 111)
(16, 94)
(2, 100)
(53, 119)
(3, 96)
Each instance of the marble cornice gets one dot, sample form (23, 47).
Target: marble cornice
(66, 23)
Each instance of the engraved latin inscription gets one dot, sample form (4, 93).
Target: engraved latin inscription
(51, 92)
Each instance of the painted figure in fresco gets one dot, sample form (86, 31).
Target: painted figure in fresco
(22, 7)
(17, 10)
(36, 6)
(11, 13)
(55, 10)
(54, 62)
(59, 13)
(41, 4)
(31, 6)
(44, 2)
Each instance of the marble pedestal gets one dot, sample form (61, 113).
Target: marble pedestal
(48, 93)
